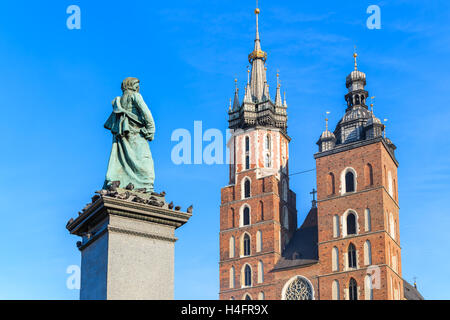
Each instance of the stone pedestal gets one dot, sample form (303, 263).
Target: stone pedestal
(127, 247)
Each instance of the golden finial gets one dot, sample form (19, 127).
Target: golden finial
(371, 104)
(326, 121)
(278, 78)
(257, 9)
(355, 55)
(248, 74)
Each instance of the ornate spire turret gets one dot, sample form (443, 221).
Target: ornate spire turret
(278, 101)
(327, 140)
(236, 103)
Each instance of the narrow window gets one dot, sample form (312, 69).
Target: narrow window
(247, 188)
(349, 182)
(246, 245)
(367, 253)
(267, 142)
(284, 190)
(351, 224)
(369, 174)
(261, 206)
(246, 220)
(353, 290)
(368, 288)
(232, 278)
(267, 161)
(247, 162)
(247, 297)
(285, 218)
(335, 290)
(260, 272)
(247, 144)
(231, 247)
(351, 256)
(367, 220)
(335, 259)
(248, 277)
(261, 296)
(258, 241)
(232, 218)
(330, 184)
(335, 226)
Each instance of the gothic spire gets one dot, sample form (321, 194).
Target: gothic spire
(257, 58)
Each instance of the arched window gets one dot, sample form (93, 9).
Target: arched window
(247, 188)
(367, 253)
(298, 288)
(246, 244)
(247, 276)
(261, 296)
(335, 290)
(285, 218)
(232, 246)
(335, 259)
(267, 142)
(247, 144)
(330, 184)
(246, 217)
(351, 224)
(247, 297)
(351, 253)
(247, 162)
(284, 190)
(391, 225)
(261, 208)
(394, 184)
(349, 182)
(258, 241)
(368, 287)
(353, 290)
(232, 217)
(267, 162)
(231, 277)
(368, 173)
(260, 272)
(335, 226)
(367, 220)
(390, 184)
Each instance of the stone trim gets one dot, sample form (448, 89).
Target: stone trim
(228, 260)
(141, 234)
(365, 234)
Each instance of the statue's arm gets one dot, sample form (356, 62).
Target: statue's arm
(146, 114)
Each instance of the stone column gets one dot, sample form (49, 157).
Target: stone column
(127, 246)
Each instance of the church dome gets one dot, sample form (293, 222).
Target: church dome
(355, 76)
(373, 120)
(356, 113)
(327, 135)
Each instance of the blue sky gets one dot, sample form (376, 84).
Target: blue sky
(57, 86)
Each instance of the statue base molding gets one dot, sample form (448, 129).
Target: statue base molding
(128, 245)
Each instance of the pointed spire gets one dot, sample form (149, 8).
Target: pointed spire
(355, 55)
(236, 103)
(257, 58)
(278, 101)
(285, 103)
(385, 120)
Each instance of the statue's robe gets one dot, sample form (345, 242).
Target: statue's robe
(131, 124)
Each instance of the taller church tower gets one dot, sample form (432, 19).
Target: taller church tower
(258, 210)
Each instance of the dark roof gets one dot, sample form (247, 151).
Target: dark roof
(411, 292)
(302, 248)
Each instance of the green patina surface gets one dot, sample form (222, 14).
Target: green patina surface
(132, 126)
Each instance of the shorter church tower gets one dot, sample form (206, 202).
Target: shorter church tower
(358, 210)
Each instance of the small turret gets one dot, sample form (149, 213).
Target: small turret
(327, 140)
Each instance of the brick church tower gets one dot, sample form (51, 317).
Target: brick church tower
(358, 210)
(258, 212)
(348, 246)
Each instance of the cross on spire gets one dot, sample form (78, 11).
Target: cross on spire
(313, 193)
(355, 55)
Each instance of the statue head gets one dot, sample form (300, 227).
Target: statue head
(130, 83)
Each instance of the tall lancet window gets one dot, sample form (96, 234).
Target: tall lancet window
(267, 162)
(353, 289)
(247, 153)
